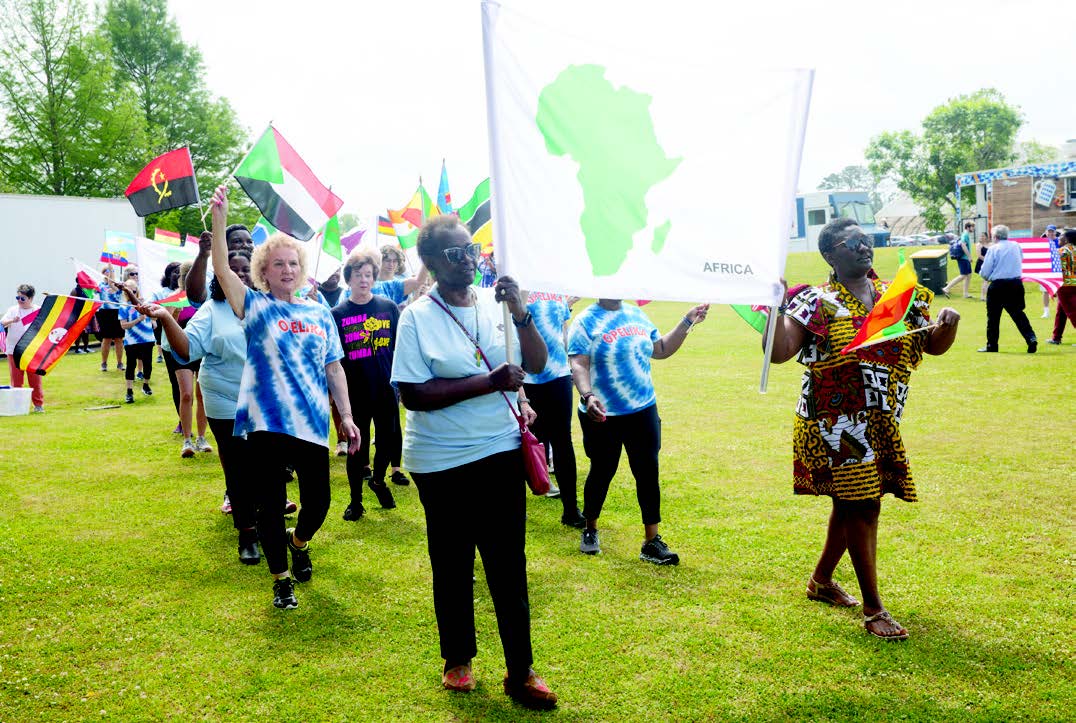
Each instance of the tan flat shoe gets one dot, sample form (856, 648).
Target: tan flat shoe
(832, 593)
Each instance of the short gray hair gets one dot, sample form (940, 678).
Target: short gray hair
(1001, 231)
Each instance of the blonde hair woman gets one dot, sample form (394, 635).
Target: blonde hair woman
(292, 363)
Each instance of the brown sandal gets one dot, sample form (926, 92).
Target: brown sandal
(884, 616)
(832, 593)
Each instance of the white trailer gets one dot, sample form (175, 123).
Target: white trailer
(43, 232)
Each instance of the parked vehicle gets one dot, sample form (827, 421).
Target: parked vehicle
(900, 241)
(815, 210)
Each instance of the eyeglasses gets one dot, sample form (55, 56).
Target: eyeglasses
(21, 298)
(852, 243)
(455, 254)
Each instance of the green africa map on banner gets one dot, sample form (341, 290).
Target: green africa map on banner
(620, 175)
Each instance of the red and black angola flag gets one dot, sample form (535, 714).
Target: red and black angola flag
(167, 182)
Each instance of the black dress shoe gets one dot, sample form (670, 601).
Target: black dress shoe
(250, 554)
(1032, 346)
(988, 348)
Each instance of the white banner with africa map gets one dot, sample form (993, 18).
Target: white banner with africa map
(618, 174)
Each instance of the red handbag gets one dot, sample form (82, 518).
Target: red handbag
(534, 460)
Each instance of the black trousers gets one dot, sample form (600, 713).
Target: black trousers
(134, 353)
(552, 401)
(1006, 295)
(271, 453)
(384, 413)
(481, 504)
(639, 434)
(235, 460)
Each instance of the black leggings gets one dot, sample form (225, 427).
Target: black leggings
(639, 433)
(271, 452)
(481, 504)
(173, 366)
(385, 415)
(138, 352)
(235, 460)
(552, 401)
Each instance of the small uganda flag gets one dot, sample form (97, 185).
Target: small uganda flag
(167, 182)
(886, 320)
(58, 324)
(284, 188)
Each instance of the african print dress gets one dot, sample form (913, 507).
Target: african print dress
(846, 437)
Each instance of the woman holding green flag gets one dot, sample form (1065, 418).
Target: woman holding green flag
(846, 439)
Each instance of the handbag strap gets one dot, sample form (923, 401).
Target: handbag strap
(433, 297)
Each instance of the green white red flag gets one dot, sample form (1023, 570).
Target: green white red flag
(284, 188)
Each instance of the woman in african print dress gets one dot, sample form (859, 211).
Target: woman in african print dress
(846, 437)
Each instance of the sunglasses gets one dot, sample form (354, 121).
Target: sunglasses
(133, 273)
(853, 243)
(22, 298)
(455, 254)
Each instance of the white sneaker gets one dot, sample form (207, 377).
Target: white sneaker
(341, 449)
(201, 445)
(188, 449)
(1046, 313)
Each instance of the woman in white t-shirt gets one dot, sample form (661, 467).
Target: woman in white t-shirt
(292, 363)
(462, 447)
(15, 327)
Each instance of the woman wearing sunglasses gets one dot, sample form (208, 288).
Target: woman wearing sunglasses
(462, 447)
(14, 327)
(292, 362)
(846, 441)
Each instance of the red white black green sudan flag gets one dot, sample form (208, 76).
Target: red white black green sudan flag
(284, 188)
(166, 182)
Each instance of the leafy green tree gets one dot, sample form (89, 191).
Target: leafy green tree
(856, 178)
(69, 128)
(969, 133)
(1032, 152)
(166, 75)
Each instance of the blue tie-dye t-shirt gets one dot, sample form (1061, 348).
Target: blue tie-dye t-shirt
(391, 289)
(141, 332)
(109, 295)
(284, 388)
(619, 344)
(550, 311)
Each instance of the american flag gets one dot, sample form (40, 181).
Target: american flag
(1042, 263)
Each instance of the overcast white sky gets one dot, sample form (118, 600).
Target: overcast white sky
(374, 93)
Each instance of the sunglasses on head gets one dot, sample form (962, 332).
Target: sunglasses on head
(20, 297)
(455, 254)
(852, 243)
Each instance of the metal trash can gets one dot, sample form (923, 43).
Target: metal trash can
(932, 268)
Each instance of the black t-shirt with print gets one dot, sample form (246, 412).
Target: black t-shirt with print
(368, 335)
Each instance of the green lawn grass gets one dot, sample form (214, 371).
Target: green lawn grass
(121, 596)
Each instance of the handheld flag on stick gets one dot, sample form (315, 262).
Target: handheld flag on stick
(119, 248)
(352, 240)
(444, 197)
(886, 320)
(88, 279)
(284, 188)
(166, 182)
(409, 219)
(385, 227)
(177, 300)
(261, 232)
(475, 214)
(330, 242)
(755, 316)
(58, 324)
(164, 236)
(191, 239)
